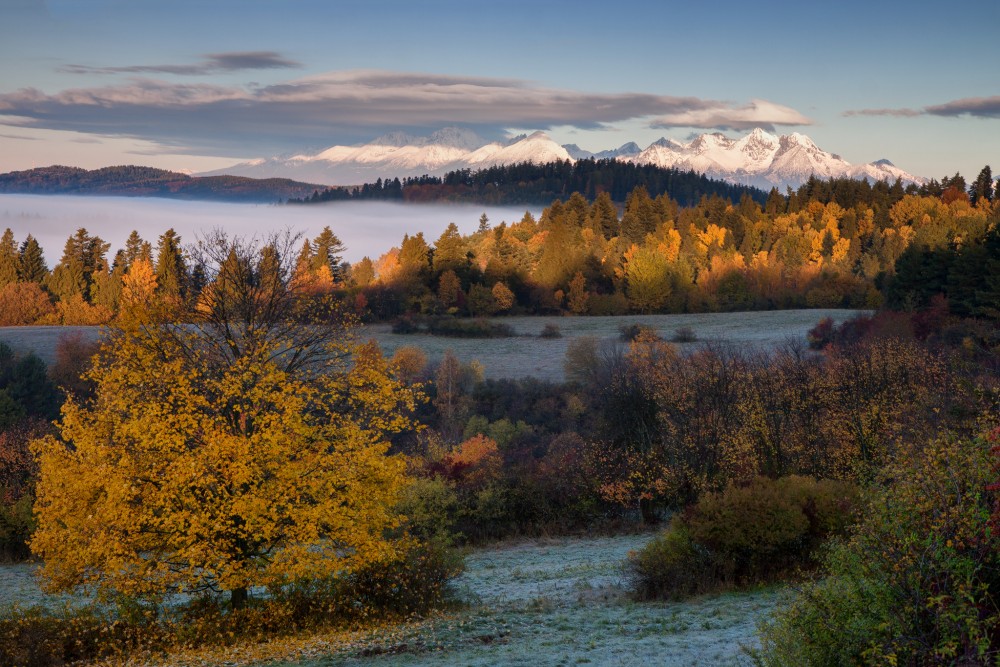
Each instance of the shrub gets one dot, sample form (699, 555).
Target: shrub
(405, 325)
(684, 335)
(550, 331)
(917, 583)
(629, 332)
(744, 535)
(671, 567)
(478, 328)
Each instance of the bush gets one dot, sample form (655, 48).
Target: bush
(918, 582)
(671, 567)
(744, 535)
(477, 328)
(405, 325)
(550, 331)
(629, 332)
(684, 335)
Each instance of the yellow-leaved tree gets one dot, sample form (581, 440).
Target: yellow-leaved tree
(241, 443)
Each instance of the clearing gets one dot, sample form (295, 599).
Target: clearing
(528, 355)
(542, 602)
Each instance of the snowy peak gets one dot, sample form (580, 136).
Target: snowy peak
(758, 158)
(763, 160)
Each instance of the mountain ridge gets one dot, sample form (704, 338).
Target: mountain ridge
(759, 158)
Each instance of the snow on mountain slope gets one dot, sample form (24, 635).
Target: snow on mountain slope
(759, 158)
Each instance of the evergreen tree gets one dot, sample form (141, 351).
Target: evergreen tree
(8, 258)
(988, 298)
(603, 217)
(31, 263)
(135, 248)
(449, 251)
(171, 272)
(83, 255)
(328, 250)
(982, 187)
(484, 223)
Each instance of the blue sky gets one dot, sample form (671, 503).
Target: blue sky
(200, 85)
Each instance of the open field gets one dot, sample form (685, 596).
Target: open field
(527, 354)
(545, 602)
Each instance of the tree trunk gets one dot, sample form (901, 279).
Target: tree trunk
(238, 598)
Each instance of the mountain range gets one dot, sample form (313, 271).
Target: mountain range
(759, 158)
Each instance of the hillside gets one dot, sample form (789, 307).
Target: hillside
(135, 181)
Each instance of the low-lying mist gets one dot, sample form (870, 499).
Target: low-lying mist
(366, 228)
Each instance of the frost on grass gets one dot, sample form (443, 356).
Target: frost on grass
(527, 354)
(562, 602)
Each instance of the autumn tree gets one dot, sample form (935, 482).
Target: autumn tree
(229, 448)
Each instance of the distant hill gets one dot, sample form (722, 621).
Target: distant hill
(133, 181)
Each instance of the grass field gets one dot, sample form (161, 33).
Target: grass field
(546, 602)
(527, 354)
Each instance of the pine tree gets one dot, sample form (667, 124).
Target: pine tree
(328, 250)
(83, 255)
(171, 272)
(31, 263)
(8, 258)
(982, 187)
(484, 224)
(449, 251)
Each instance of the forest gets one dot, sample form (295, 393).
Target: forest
(861, 466)
(528, 183)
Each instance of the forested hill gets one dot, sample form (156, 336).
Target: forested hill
(528, 183)
(133, 181)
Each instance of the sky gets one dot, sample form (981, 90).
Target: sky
(192, 85)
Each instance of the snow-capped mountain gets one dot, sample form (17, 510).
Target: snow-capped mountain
(759, 158)
(763, 160)
(400, 155)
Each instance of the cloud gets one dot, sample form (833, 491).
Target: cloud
(213, 63)
(981, 107)
(722, 116)
(978, 107)
(353, 106)
(19, 137)
(902, 113)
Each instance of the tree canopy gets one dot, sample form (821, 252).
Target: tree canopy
(240, 445)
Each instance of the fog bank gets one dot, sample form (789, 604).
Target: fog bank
(366, 228)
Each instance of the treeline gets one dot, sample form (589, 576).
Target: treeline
(829, 244)
(136, 181)
(528, 183)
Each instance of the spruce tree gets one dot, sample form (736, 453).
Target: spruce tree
(449, 251)
(171, 272)
(328, 250)
(982, 187)
(31, 262)
(8, 258)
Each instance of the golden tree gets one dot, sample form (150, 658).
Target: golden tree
(242, 445)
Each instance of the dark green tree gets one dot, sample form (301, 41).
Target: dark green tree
(982, 187)
(450, 251)
(8, 258)
(83, 255)
(31, 263)
(171, 271)
(328, 250)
